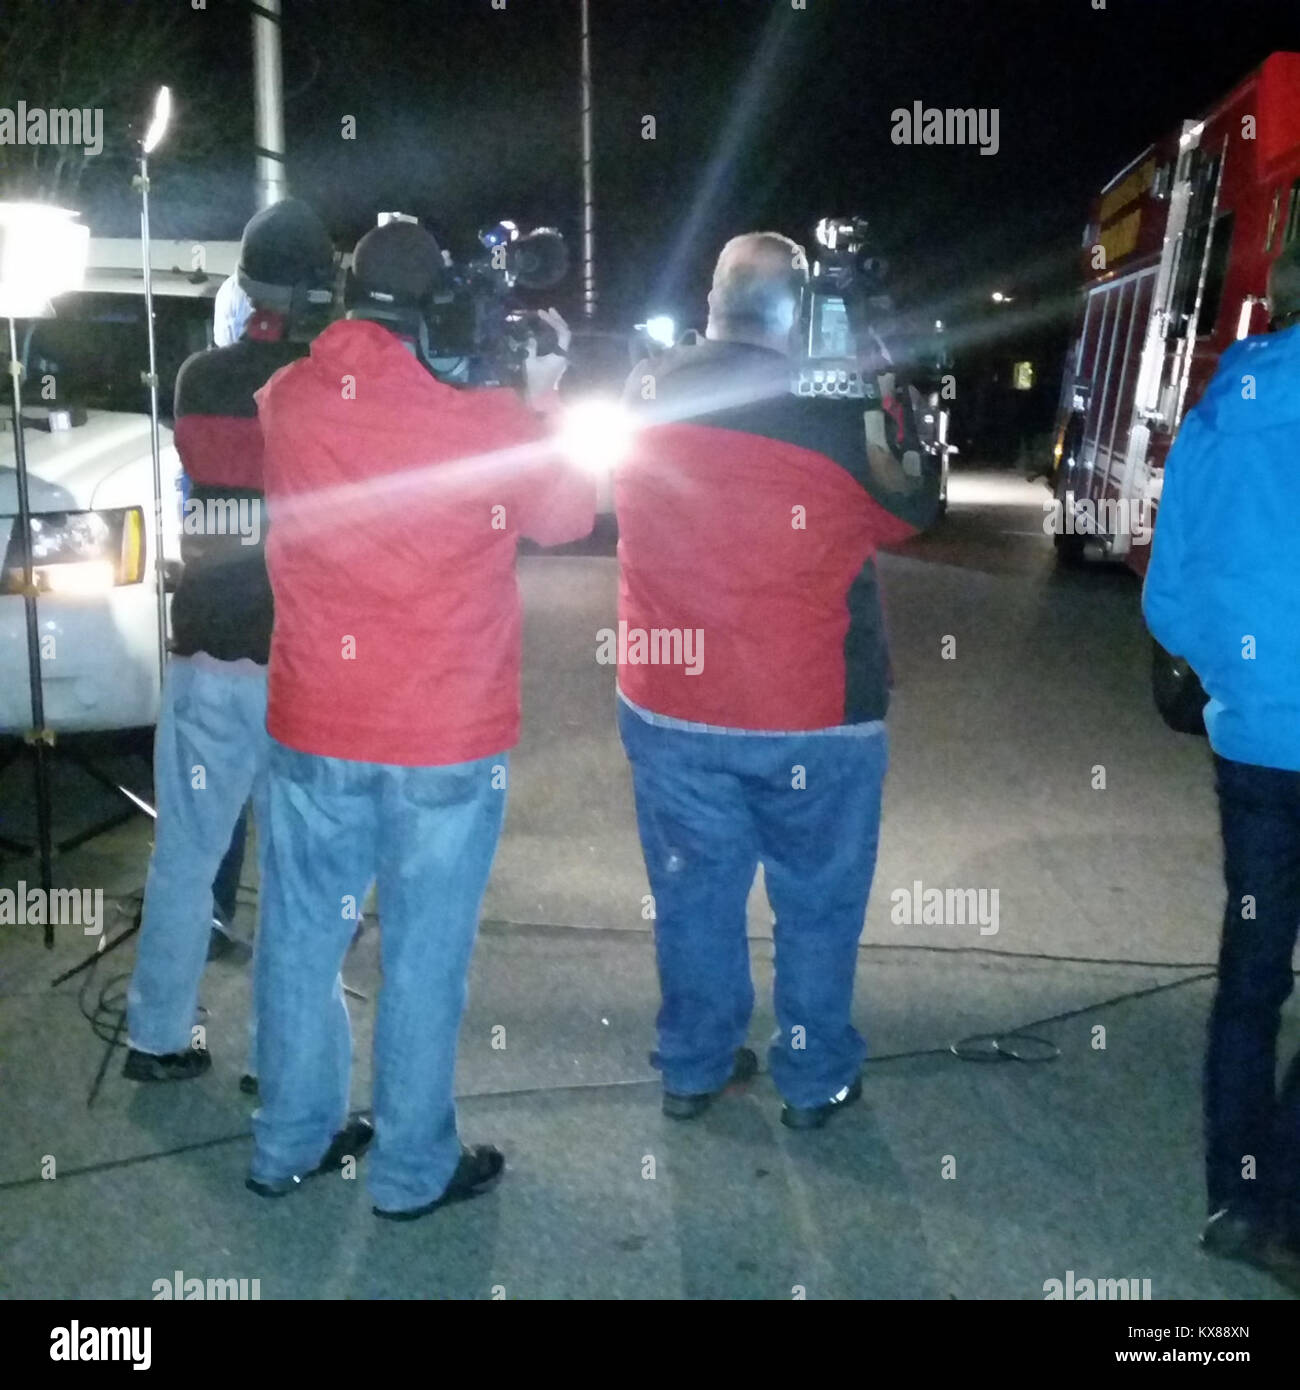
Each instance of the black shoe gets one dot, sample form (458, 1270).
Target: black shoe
(350, 1142)
(678, 1107)
(1282, 1260)
(1249, 1239)
(219, 940)
(223, 944)
(248, 1084)
(477, 1170)
(815, 1116)
(166, 1066)
(1235, 1235)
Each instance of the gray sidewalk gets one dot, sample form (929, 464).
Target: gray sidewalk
(1090, 1163)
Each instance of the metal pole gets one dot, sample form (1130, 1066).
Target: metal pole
(154, 446)
(268, 104)
(588, 194)
(39, 736)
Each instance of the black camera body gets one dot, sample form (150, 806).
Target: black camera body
(476, 331)
(841, 350)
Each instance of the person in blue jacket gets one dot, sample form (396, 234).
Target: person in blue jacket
(1223, 592)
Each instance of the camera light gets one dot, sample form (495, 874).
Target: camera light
(162, 114)
(595, 435)
(661, 329)
(499, 234)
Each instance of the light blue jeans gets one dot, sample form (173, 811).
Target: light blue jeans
(210, 754)
(428, 836)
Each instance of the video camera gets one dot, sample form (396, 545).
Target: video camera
(842, 301)
(475, 322)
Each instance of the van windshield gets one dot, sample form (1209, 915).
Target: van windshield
(95, 350)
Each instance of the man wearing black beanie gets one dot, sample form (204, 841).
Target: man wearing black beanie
(211, 745)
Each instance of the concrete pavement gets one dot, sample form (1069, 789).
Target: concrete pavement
(1014, 686)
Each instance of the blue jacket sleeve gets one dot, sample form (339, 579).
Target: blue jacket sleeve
(1168, 605)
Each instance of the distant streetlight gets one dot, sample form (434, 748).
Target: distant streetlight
(1000, 298)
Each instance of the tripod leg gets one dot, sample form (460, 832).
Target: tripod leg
(102, 949)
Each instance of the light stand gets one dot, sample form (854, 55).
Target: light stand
(42, 254)
(162, 111)
(157, 129)
(38, 737)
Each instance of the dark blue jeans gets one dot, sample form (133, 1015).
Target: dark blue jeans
(1247, 1116)
(710, 807)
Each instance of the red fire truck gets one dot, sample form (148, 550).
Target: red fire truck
(1176, 258)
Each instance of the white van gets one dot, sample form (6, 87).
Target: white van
(90, 476)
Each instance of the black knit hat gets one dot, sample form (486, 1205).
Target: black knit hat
(394, 266)
(284, 247)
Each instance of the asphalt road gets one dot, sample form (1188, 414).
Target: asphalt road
(1026, 759)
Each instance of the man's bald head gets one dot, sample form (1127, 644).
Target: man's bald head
(756, 287)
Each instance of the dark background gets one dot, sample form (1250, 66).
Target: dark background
(766, 117)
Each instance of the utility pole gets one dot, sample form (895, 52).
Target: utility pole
(268, 103)
(588, 195)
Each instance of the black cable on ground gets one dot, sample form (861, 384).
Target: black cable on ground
(1006, 1046)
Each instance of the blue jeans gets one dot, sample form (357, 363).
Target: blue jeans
(1246, 1113)
(210, 753)
(428, 836)
(709, 808)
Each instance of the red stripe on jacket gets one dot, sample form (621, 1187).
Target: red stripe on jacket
(220, 450)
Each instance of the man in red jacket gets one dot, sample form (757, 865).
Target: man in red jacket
(396, 501)
(753, 680)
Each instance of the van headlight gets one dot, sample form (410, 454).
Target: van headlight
(78, 552)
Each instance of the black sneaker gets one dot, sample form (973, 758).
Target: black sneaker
(166, 1066)
(350, 1142)
(1235, 1235)
(477, 1170)
(815, 1116)
(688, 1107)
(224, 945)
(1250, 1239)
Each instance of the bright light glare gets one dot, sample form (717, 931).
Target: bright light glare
(162, 113)
(79, 577)
(42, 254)
(1244, 317)
(998, 296)
(596, 435)
(662, 330)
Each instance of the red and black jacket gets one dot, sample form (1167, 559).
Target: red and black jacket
(397, 503)
(748, 514)
(223, 603)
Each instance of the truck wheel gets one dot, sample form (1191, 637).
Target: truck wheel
(1069, 550)
(1179, 695)
(1069, 544)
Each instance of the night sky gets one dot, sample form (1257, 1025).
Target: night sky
(766, 117)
